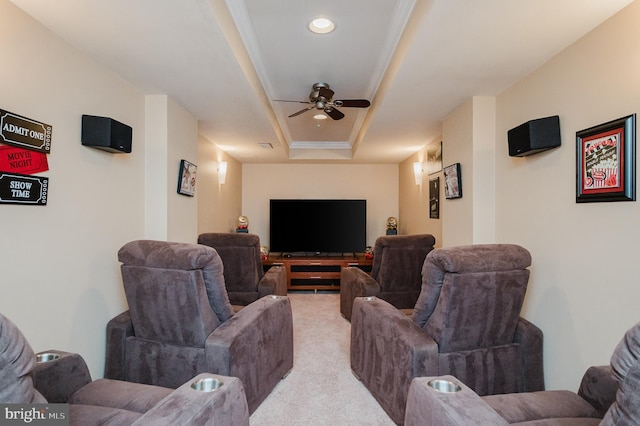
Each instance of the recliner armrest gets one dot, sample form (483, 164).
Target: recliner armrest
(428, 406)
(261, 334)
(60, 378)
(274, 281)
(529, 337)
(354, 282)
(225, 405)
(599, 388)
(118, 329)
(388, 350)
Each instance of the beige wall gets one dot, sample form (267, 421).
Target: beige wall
(219, 205)
(182, 220)
(60, 274)
(156, 212)
(61, 281)
(414, 200)
(377, 183)
(469, 139)
(457, 140)
(483, 178)
(171, 137)
(584, 288)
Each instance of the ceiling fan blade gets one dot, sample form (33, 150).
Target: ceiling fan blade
(353, 103)
(334, 113)
(301, 111)
(297, 102)
(325, 92)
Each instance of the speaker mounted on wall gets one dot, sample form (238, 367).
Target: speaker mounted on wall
(106, 134)
(534, 136)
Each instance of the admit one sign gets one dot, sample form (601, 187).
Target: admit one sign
(24, 132)
(29, 141)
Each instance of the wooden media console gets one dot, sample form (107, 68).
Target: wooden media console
(316, 272)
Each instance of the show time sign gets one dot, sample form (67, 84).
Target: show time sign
(23, 189)
(25, 161)
(24, 132)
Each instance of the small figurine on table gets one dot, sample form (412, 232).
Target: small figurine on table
(368, 253)
(264, 252)
(243, 225)
(392, 226)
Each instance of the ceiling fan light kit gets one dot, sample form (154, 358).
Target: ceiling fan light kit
(321, 97)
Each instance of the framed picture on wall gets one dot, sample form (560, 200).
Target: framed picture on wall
(434, 198)
(187, 178)
(452, 181)
(605, 161)
(434, 157)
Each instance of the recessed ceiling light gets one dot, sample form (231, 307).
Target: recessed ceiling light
(322, 26)
(320, 117)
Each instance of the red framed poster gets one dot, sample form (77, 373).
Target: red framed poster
(605, 162)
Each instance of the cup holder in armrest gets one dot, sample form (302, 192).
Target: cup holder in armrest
(207, 384)
(445, 386)
(47, 356)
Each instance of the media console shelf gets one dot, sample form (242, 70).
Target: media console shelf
(316, 272)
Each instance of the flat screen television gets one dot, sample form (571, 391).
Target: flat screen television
(317, 227)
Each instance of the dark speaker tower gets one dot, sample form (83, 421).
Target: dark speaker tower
(106, 133)
(534, 136)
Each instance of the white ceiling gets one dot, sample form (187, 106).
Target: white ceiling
(229, 62)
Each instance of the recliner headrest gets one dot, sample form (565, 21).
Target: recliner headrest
(168, 255)
(481, 258)
(229, 240)
(184, 256)
(405, 240)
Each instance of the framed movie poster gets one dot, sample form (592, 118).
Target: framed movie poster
(605, 161)
(434, 198)
(187, 178)
(452, 181)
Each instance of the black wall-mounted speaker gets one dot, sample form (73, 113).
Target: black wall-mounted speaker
(106, 133)
(534, 136)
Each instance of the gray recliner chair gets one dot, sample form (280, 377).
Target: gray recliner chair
(63, 378)
(466, 322)
(244, 277)
(608, 396)
(395, 273)
(180, 323)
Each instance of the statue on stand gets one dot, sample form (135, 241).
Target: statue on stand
(243, 225)
(392, 226)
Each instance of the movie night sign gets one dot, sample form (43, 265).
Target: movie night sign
(24, 132)
(23, 189)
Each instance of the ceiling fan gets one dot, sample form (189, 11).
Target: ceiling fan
(321, 97)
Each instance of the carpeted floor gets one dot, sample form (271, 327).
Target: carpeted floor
(320, 390)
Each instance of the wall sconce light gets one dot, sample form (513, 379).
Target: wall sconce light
(417, 171)
(222, 172)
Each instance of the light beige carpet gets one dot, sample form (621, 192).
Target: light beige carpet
(320, 390)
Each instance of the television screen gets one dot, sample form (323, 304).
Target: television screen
(318, 226)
